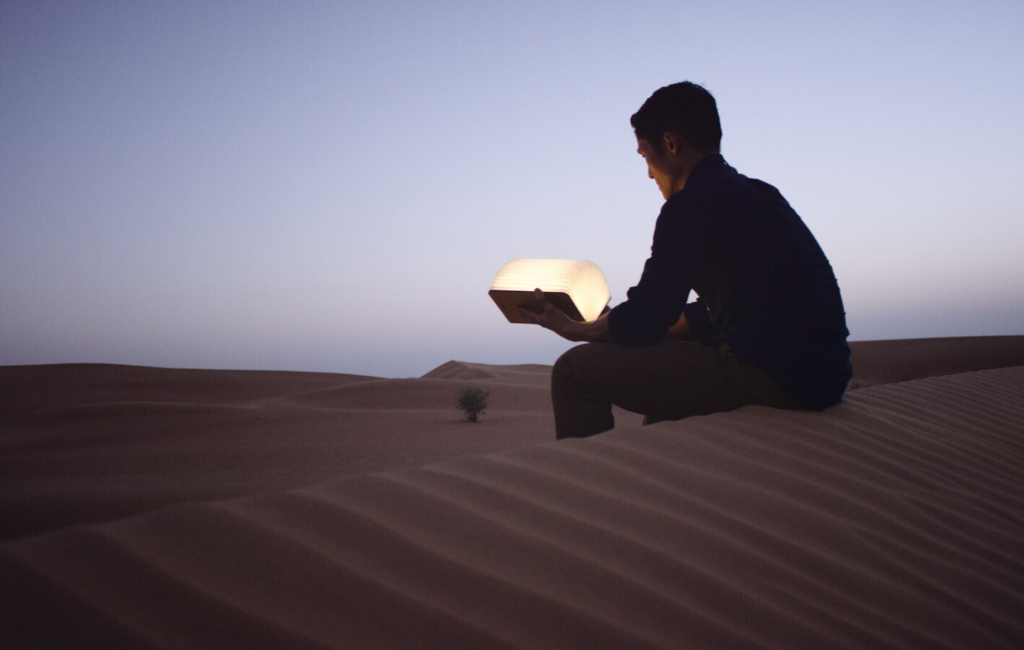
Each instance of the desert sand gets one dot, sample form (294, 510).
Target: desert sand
(199, 508)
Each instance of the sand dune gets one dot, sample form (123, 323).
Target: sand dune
(83, 444)
(893, 520)
(529, 374)
(884, 362)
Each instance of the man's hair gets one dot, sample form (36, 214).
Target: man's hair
(684, 108)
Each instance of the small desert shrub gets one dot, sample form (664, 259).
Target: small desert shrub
(472, 401)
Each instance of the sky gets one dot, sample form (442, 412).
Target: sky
(332, 186)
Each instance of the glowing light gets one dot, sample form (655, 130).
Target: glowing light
(577, 287)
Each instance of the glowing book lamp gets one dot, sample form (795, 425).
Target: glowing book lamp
(577, 287)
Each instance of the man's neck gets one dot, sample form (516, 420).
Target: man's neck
(687, 162)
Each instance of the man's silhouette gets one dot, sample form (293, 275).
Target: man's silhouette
(768, 326)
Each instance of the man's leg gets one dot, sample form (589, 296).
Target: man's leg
(668, 381)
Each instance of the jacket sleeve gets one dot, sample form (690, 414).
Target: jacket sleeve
(655, 303)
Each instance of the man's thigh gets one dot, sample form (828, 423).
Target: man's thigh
(668, 381)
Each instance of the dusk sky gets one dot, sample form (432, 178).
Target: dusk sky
(332, 186)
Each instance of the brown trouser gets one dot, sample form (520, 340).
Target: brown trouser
(668, 381)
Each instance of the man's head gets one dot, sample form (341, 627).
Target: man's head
(685, 109)
(676, 127)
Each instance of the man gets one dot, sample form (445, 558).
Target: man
(768, 326)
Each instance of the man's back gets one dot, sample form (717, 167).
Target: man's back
(768, 287)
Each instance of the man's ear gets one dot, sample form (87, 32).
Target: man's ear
(670, 142)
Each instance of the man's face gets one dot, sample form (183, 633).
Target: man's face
(658, 166)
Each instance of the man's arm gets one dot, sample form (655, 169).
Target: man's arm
(554, 319)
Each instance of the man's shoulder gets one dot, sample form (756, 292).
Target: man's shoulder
(719, 176)
(722, 189)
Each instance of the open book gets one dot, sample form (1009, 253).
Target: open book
(577, 287)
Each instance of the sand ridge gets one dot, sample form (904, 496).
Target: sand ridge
(884, 362)
(893, 520)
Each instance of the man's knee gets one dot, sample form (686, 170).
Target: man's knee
(573, 361)
(563, 368)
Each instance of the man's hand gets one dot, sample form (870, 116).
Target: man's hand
(554, 319)
(549, 316)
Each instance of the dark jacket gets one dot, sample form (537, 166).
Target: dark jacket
(764, 285)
